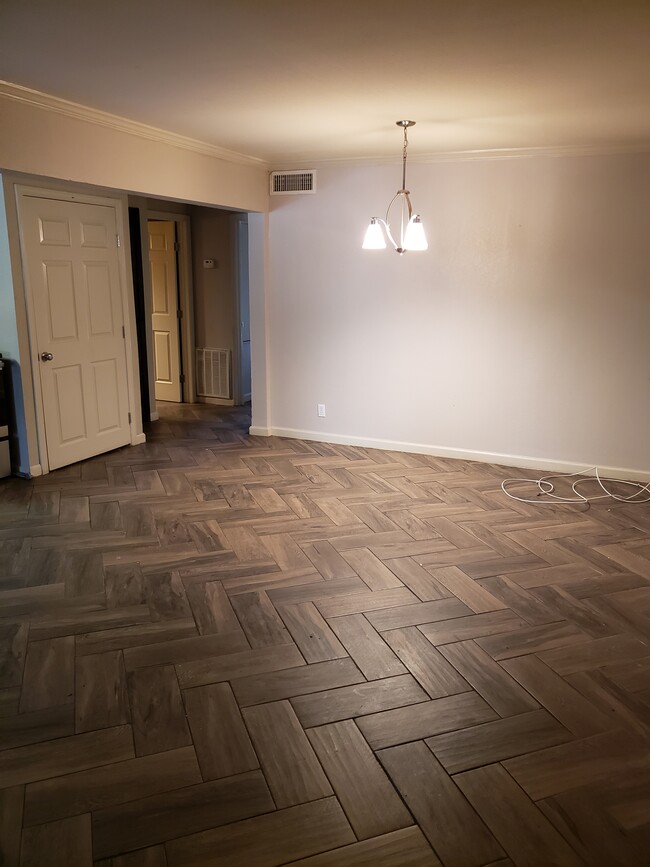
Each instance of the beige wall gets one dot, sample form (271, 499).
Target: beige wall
(38, 141)
(214, 288)
(40, 147)
(520, 335)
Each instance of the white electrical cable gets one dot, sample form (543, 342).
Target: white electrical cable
(546, 488)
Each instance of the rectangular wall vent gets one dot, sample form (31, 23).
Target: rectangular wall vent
(290, 183)
(213, 373)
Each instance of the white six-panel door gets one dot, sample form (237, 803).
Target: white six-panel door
(71, 264)
(164, 310)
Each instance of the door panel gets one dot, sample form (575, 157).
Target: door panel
(164, 310)
(72, 267)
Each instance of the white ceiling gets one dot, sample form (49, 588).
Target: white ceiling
(287, 80)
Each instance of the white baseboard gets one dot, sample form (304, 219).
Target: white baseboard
(154, 416)
(34, 470)
(139, 439)
(524, 461)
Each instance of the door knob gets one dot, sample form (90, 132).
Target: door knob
(46, 356)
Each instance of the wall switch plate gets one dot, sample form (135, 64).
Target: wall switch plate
(321, 410)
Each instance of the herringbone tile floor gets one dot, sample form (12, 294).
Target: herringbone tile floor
(222, 649)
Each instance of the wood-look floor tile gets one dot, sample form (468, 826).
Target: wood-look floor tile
(417, 579)
(222, 744)
(462, 612)
(65, 755)
(497, 740)
(211, 608)
(595, 653)
(84, 573)
(426, 664)
(289, 682)
(74, 510)
(407, 847)
(558, 769)
(402, 724)
(519, 600)
(11, 820)
(66, 841)
(452, 827)
(260, 620)
(166, 597)
(181, 650)
(415, 615)
(290, 766)
(124, 585)
(371, 570)
(134, 635)
(471, 592)
(157, 711)
(519, 826)
(278, 837)
(13, 646)
(112, 784)
(236, 665)
(18, 730)
(152, 856)
(48, 680)
(320, 592)
(328, 561)
(101, 698)
(357, 700)
(533, 639)
(475, 626)
(179, 813)
(488, 678)
(369, 651)
(311, 633)
(370, 802)
(566, 704)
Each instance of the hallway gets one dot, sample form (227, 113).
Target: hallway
(224, 649)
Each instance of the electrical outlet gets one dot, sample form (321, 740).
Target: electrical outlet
(321, 410)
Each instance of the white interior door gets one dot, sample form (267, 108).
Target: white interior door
(71, 264)
(164, 310)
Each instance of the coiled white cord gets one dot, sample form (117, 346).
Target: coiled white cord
(546, 488)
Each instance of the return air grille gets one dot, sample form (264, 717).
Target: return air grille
(290, 183)
(213, 373)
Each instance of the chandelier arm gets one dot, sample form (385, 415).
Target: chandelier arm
(386, 223)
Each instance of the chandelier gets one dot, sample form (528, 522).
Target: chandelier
(411, 230)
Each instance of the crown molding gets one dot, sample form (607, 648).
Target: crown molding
(283, 165)
(46, 101)
(75, 110)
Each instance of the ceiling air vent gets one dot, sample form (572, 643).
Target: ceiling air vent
(290, 183)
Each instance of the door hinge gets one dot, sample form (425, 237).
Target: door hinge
(123, 333)
(182, 379)
(179, 313)
(118, 242)
(177, 246)
(129, 418)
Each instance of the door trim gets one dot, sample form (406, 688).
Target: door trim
(185, 297)
(128, 313)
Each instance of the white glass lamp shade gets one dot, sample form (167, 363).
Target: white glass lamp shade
(414, 237)
(374, 239)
